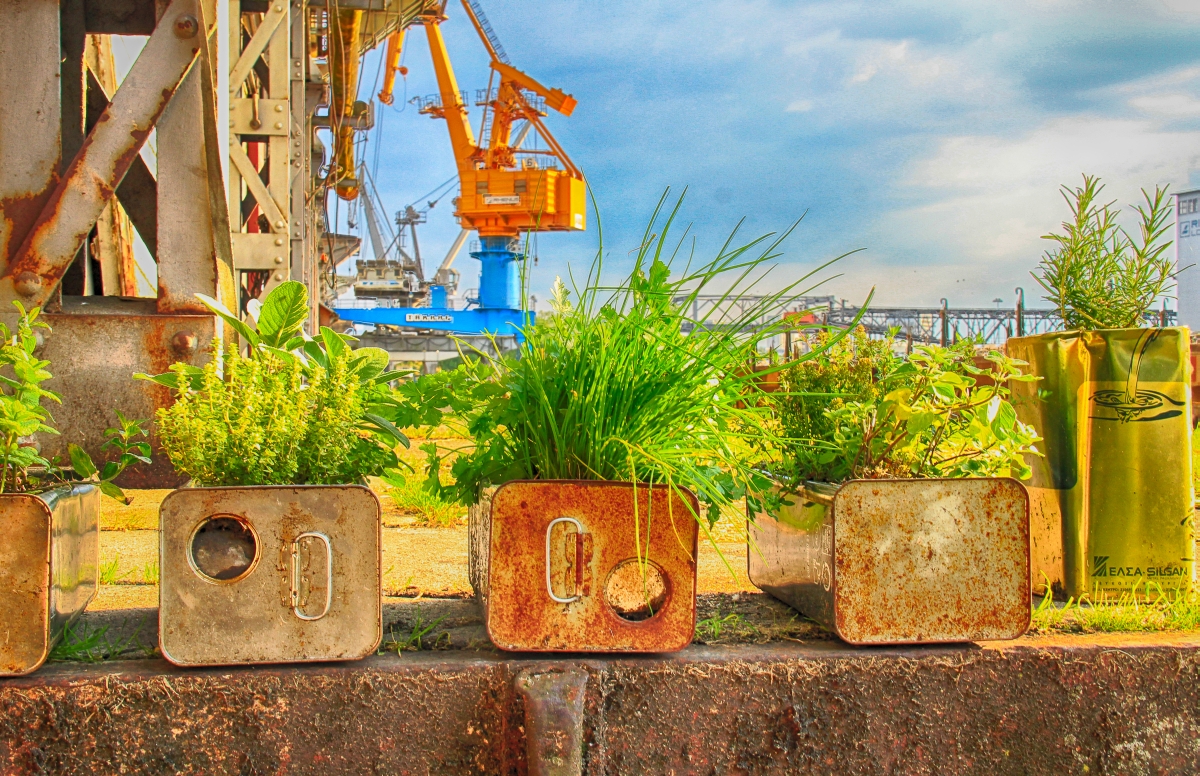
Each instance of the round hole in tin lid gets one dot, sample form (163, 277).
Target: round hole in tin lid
(223, 549)
(635, 591)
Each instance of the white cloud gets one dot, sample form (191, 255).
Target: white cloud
(989, 199)
(1176, 105)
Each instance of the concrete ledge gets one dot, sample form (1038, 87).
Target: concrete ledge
(1045, 706)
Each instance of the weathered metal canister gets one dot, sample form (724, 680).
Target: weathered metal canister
(272, 574)
(901, 561)
(49, 561)
(1111, 501)
(583, 566)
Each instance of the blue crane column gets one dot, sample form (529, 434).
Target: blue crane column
(499, 305)
(499, 275)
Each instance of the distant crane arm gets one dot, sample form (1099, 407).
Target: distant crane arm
(555, 98)
(395, 47)
(462, 138)
(454, 249)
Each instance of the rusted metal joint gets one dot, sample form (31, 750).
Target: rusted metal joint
(553, 720)
(186, 26)
(184, 343)
(27, 283)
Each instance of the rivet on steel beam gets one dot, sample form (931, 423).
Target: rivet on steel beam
(279, 224)
(278, 276)
(278, 125)
(279, 241)
(278, 259)
(553, 720)
(184, 343)
(186, 26)
(27, 283)
(278, 108)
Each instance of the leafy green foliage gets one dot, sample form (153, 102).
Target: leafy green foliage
(21, 412)
(875, 414)
(410, 497)
(849, 369)
(294, 410)
(623, 384)
(1097, 275)
(22, 468)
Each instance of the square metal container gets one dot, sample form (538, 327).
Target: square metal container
(901, 561)
(306, 588)
(49, 562)
(1111, 499)
(586, 566)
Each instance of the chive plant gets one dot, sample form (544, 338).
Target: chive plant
(628, 383)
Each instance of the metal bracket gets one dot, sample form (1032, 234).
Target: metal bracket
(578, 558)
(553, 720)
(296, 575)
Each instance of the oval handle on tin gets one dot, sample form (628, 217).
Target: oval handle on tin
(296, 575)
(578, 558)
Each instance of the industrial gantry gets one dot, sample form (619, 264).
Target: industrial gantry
(231, 93)
(506, 190)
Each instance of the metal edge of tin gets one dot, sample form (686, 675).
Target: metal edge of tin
(53, 630)
(78, 490)
(687, 638)
(1028, 559)
(47, 634)
(379, 582)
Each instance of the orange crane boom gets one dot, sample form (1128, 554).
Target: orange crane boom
(506, 190)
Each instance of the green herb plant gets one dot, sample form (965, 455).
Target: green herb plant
(22, 467)
(625, 383)
(860, 411)
(1097, 275)
(294, 410)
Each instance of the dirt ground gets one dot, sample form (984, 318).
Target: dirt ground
(417, 561)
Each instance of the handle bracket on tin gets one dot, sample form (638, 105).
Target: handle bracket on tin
(296, 575)
(578, 558)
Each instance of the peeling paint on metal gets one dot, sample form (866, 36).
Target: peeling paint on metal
(903, 561)
(291, 605)
(107, 153)
(521, 615)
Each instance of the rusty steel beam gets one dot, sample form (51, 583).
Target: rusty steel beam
(1117, 704)
(29, 57)
(107, 154)
(138, 191)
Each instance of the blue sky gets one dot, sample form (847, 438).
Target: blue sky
(933, 135)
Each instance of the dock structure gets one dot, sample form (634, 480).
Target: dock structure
(222, 203)
(1112, 703)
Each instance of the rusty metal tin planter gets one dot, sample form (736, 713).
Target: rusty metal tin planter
(901, 561)
(269, 574)
(556, 565)
(49, 561)
(1111, 501)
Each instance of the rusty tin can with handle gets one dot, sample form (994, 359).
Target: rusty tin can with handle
(586, 566)
(49, 566)
(910, 561)
(269, 574)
